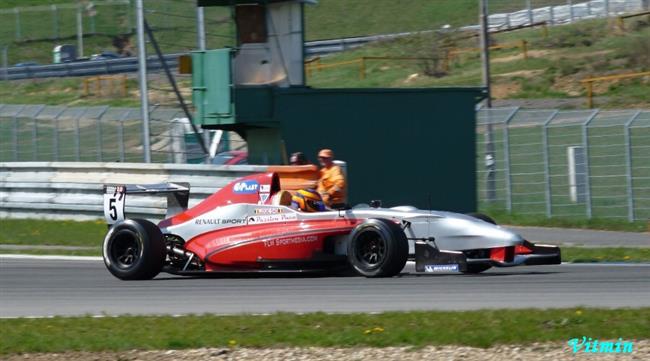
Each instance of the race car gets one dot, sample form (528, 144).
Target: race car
(248, 226)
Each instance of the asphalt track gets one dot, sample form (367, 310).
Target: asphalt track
(37, 288)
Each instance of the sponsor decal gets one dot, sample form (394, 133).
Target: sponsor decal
(219, 221)
(264, 197)
(441, 267)
(266, 188)
(246, 187)
(290, 241)
(281, 217)
(267, 210)
(589, 345)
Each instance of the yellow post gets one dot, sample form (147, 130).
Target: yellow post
(124, 86)
(362, 68)
(86, 90)
(524, 48)
(620, 23)
(111, 81)
(590, 100)
(545, 30)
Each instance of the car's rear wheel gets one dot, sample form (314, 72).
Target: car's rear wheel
(378, 248)
(134, 249)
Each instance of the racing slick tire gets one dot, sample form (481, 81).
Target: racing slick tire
(134, 249)
(478, 268)
(378, 248)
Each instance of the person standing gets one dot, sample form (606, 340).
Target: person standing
(331, 184)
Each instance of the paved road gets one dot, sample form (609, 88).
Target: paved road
(64, 287)
(583, 237)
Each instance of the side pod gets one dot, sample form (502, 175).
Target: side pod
(429, 258)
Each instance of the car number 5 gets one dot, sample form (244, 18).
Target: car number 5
(114, 205)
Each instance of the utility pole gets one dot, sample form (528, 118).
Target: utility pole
(490, 161)
(200, 38)
(80, 30)
(142, 79)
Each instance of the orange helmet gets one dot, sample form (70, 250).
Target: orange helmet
(307, 200)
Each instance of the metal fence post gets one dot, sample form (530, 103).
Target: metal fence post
(55, 22)
(628, 163)
(100, 138)
(551, 15)
(18, 33)
(530, 11)
(570, 4)
(585, 144)
(5, 61)
(55, 141)
(120, 134)
(142, 80)
(606, 8)
(35, 133)
(80, 32)
(506, 158)
(547, 166)
(14, 138)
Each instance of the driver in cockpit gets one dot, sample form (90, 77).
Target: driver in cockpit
(308, 200)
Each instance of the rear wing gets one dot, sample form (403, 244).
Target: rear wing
(178, 195)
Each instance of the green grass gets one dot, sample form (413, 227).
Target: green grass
(483, 328)
(605, 224)
(60, 233)
(55, 252)
(605, 254)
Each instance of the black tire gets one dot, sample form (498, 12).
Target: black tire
(134, 249)
(483, 217)
(378, 248)
(476, 268)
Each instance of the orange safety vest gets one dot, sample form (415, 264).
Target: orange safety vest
(332, 182)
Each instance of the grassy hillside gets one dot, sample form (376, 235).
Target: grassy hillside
(555, 65)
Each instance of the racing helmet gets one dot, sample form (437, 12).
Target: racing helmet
(307, 200)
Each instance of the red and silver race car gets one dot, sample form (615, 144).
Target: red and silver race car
(248, 226)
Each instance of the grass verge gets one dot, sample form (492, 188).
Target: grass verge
(503, 217)
(482, 328)
(56, 233)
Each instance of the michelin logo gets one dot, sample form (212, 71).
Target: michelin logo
(441, 267)
(246, 187)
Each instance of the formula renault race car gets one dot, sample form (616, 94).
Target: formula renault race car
(248, 226)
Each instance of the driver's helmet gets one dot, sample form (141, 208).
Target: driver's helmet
(307, 200)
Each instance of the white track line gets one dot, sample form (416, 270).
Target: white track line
(50, 257)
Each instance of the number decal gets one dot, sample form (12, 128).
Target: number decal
(114, 199)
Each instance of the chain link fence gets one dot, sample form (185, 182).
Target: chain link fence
(566, 163)
(101, 133)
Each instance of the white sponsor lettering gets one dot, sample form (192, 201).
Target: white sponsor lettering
(272, 218)
(268, 210)
(217, 221)
(440, 267)
(290, 241)
(266, 188)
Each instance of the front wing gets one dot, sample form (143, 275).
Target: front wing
(428, 258)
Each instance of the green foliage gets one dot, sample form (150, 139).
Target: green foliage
(483, 328)
(44, 232)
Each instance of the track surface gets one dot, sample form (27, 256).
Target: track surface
(63, 287)
(583, 237)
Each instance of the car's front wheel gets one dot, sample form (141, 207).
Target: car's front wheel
(134, 249)
(378, 248)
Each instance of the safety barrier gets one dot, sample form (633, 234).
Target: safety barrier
(73, 190)
(588, 83)
(97, 82)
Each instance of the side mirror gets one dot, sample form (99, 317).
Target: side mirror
(375, 203)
